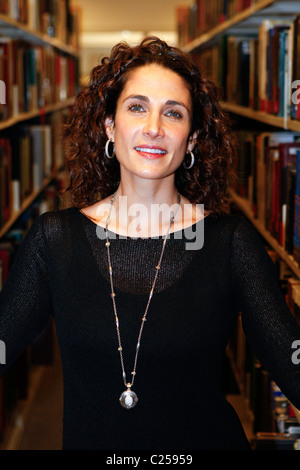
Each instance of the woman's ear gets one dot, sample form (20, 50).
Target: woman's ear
(109, 127)
(192, 141)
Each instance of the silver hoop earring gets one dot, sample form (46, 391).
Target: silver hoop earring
(107, 149)
(188, 167)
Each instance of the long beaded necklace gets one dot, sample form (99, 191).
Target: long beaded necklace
(128, 398)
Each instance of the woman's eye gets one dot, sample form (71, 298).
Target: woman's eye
(174, 114)
(137, 108)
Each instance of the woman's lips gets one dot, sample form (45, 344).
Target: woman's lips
(150, 152)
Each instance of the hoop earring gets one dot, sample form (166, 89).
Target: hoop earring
(188, 167)
(107, 150)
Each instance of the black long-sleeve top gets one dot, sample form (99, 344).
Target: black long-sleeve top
(61, 270)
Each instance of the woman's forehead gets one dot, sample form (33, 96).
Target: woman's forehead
(156, 80)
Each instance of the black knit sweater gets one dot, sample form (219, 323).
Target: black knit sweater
(61, 270)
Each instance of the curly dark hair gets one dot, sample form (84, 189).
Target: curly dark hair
(94, 177)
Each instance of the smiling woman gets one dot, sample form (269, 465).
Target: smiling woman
(151, 127)
(185, 98)
(143, 321)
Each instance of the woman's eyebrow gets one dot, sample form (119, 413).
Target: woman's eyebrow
(176, 103)
(137, 97)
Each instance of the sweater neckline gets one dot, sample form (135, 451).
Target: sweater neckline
(116, 235)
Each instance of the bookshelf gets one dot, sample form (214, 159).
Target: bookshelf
(269, 119)
(10, 27)
(247, 19)
(57, 67)
(217, 34)
(246, 209)
(44, 39)
(244, 23)
(32, 114)
(26, 204)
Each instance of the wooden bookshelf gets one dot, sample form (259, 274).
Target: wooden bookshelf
(10, 28)
(26, 204)
(244, 206)
(13, 28)
(281, 122)
(246, 24)
(246, 20)
(32, 114)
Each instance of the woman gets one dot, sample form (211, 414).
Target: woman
(142, 315)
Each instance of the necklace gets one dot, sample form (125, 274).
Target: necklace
(128, 398)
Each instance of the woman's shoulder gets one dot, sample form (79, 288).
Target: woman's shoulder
(233, 229)
(56, 222)
(57, 216)
(229, 221)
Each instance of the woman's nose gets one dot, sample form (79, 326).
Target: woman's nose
(153, 126)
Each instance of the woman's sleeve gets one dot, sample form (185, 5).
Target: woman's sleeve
(25, 299)
(270, 328)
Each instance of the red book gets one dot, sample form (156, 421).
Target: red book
(287, 159)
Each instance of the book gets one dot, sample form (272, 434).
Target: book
(267, 172)
(296, 251)
(25, 162)
(267, 52)
(238, 70)
(287, 160)
(5, 180)
(6, 77)
(273, 67)
(253, 74)
(295, 104)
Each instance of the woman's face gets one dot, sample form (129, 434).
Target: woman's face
(152, 123)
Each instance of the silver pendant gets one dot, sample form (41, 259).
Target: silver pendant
(128, 399)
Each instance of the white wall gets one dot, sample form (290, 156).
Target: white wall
(106, 22)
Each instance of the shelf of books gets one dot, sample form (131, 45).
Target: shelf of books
(38, 83)
(251, 50)
(203, 22)
(269, 119)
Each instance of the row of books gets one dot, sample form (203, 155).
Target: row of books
(202, 15)
(16, 9)
(260, 72)
(14, 385)
(33, 77)
(28, 155)
(56, 18)
(268, 170)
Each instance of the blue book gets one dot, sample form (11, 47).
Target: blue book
(281, 72)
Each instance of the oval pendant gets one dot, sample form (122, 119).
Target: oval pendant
(128, 399)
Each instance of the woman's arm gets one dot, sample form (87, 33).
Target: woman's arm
(25, 300)
(270, 328)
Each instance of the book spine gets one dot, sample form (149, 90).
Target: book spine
(297, 212)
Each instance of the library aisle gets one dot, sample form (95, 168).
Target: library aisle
(43, 427)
